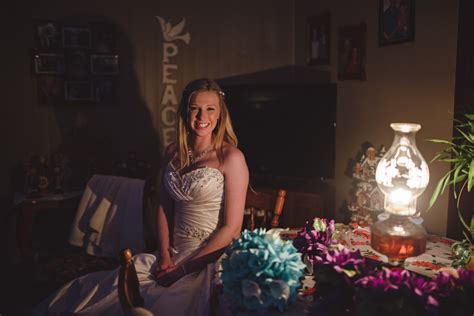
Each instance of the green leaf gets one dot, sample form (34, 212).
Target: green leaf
(466, 236)
(449, 160)
(439, 189)
(456, 178)
(349, 273)
(470, 176)
(472, 228)
(436, 157)
(440, 141)
(470, 117)
(461, 218)
(466, 136)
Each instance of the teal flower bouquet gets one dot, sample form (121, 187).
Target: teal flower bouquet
(261, 271)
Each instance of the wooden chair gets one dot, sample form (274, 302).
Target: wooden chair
(263, 209)
(128, 285)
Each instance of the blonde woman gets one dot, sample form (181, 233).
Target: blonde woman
(205, 179)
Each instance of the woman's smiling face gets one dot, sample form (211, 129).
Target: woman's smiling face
(204, 112)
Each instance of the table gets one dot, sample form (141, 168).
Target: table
(28, 208)
(438, 252)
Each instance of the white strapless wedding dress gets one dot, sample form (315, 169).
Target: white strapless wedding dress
(199, 196)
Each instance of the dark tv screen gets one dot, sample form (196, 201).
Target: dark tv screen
(285, 131)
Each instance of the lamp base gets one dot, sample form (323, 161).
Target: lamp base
(398, 238)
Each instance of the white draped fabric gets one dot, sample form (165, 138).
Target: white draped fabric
(110, 216)
(199, 196)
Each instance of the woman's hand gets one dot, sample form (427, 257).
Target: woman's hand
(165, 264)
(170, 276)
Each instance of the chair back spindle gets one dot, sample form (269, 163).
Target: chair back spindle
(128, 284)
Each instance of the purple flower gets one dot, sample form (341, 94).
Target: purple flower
(399, 283)
(342, 261)
(315, 237)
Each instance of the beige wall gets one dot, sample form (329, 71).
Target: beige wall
(409, 82)
(227, 38)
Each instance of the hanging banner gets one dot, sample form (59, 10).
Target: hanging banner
(169, 101)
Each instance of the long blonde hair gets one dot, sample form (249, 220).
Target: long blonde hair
(222, 133)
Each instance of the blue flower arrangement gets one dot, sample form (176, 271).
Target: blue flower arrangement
(261, 271)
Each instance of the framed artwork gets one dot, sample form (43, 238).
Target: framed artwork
(78, 90)
(77, 64)
(48, 34)
(76, 37)
(351, 52)
(104, 64)
(318, 39)
(103, 38)
(50, 90)
(396, 21)
(48, 63)
(104, 91)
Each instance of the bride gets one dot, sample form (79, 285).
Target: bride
(204, 185)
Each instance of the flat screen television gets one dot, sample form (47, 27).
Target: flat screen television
(285, 131)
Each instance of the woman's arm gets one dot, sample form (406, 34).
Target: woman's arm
(236, 179)
(166, 207)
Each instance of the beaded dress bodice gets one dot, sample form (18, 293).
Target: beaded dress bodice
(199, 197)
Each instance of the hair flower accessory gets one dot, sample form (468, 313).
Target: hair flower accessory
(261, 271)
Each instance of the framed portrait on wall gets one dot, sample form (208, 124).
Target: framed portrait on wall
(48, 35)
(52, 64)
(396, 21)
(103, 38)
(104, 90)
(351, 52)
(78, 90)
(75, 63)
(104, 64)
(50, 90)
(318, 34)
(76, 37)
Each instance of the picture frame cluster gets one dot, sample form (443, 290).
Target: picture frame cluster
(396, 25)
(75, 63)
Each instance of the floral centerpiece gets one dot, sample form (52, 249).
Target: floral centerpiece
(350, 284)
(261, 271)
(398, 291)
(315, 237)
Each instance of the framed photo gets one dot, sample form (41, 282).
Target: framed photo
(76, 37)
(104, 64)
(78, 91)
(318, 39)
(351, 52)
(48, 35)
(50, 90)
(77, 64)
(104, 91)
(396, 21)
(52, 64)
(103, 38)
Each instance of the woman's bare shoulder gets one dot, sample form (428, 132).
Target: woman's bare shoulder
(231, 151)
(233, 156)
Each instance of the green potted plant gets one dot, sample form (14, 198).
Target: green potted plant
(460, 155)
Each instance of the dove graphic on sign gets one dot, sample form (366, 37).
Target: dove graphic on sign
(173, 33)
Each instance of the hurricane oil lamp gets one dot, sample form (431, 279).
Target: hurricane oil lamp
(402, 175)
